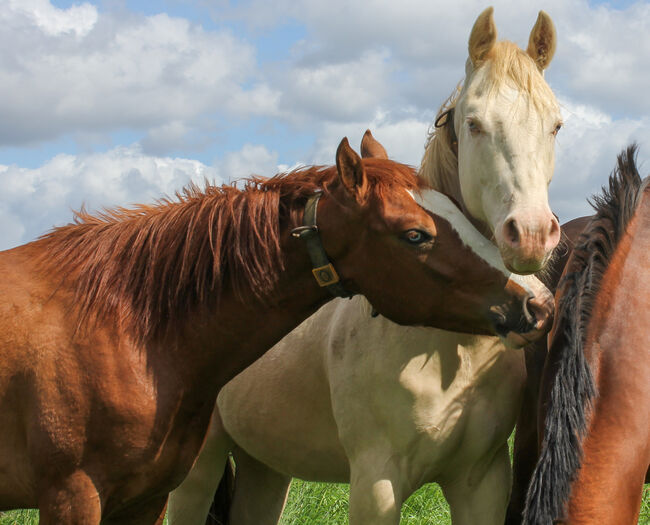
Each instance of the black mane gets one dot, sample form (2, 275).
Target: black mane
(573, 390)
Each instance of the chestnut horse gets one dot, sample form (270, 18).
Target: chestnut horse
(436, 390)
(117, 332)
(595, 401)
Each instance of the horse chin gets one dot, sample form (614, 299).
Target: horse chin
(524, 266)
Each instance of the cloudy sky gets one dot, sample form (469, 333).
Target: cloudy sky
(115, 102)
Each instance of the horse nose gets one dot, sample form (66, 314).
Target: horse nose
(538, 311)
(553, 234)
(526, 240)
(516, 236)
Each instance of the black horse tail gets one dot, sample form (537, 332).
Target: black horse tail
(220, 509)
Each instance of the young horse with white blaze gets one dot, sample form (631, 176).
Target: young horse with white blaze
(350, 398)
(117, 332)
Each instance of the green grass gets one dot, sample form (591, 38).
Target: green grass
(19, 517)
(327, 504)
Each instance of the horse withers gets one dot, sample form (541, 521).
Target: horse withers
(117, 331)
(595, 398)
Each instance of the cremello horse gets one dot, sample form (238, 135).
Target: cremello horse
(348, 397)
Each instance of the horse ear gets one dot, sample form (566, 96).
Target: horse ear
(483, 37)
(370, 147)
(542, 41)
(350, 168)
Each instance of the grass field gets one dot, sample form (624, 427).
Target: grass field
(327, 504)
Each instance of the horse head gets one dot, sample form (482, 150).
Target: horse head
(416, 257)
(505, 120)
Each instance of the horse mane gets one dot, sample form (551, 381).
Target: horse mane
(439, 166)
(149, 266)
(573, 389)
(505, 63)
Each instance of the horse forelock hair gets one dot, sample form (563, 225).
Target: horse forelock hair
(573, 389)
(148, 267)
(506, 62)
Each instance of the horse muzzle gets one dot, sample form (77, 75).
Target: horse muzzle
(518, 327)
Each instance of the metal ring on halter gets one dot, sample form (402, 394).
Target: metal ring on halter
(448, 116)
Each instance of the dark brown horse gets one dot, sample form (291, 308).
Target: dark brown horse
(595, 396)
(117, 332)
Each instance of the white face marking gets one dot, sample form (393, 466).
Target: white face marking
(439, 204)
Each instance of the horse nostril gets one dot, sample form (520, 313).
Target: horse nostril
(511, 232)
(527, 310)
(536, 312)
(553, 236)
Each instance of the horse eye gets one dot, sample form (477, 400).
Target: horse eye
(473, 126)
(416, 236)
(557, 128)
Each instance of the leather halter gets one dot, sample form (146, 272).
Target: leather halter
(446, 118)
(323, 270)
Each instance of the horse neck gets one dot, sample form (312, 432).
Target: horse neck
(243, 328)
(153, 277)
(617, 348)
(618, 290)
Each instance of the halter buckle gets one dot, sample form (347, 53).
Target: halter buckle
(325, 275)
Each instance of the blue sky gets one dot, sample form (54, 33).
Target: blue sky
(113, 102)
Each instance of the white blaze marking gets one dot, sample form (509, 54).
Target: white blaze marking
(441, 205)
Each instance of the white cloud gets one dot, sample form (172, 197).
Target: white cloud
(602, 56)
(343, 91)
(403, 139)
(586, 152)
(77, 19)
(34, 200)
(250, 160)
(65, 71)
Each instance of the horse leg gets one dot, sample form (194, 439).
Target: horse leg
(260, 492)
(481, 497)
(376, 493)
(190, 502)
(73, 501)
(526, 438)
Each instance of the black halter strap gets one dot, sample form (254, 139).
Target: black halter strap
(446, 118)
(323, 270)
